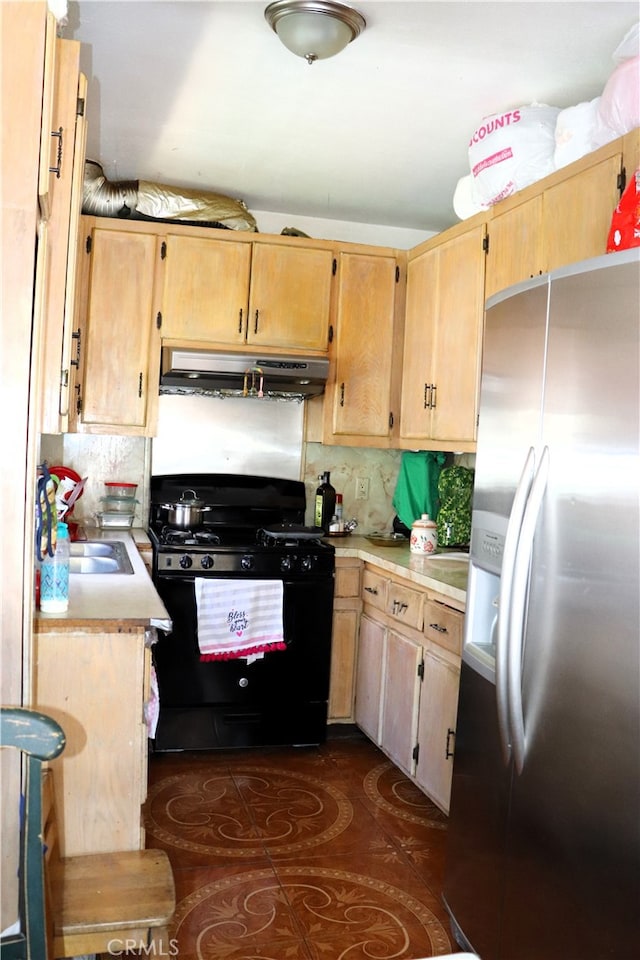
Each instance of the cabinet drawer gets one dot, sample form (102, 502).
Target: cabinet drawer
(406, 605)
(374, 589)
(347, 583)
(443, 625)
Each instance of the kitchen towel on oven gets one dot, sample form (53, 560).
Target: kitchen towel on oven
(238, 618)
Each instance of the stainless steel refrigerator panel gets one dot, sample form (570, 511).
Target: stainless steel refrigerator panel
(575, 825)
(473, 890)
(544, 852)
(510, 394)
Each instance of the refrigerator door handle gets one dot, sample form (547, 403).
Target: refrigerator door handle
(518, 610)
(504, 601)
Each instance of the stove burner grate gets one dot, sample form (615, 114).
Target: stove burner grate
(174, 537)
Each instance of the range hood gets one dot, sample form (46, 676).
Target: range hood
(237, 373)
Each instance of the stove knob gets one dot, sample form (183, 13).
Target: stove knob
(207, 562)
(307, 563)
(185, 561)
(247, 562)
(285, 563)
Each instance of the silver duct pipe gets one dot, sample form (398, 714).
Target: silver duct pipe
(144, 200)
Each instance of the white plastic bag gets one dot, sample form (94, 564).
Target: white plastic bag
(510, 150)
(464, 203)
(619, 106)
(575, 132)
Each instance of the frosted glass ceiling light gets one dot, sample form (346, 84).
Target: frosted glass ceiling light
(314, 29)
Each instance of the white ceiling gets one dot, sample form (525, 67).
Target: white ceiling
(203, 94)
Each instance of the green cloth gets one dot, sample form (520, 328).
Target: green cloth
(417, 486)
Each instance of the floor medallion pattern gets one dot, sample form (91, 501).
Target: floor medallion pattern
(345, 915)
(390, 790)
(237, 815)
(322, 853)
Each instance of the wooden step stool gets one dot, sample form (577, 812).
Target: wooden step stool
(104, 902)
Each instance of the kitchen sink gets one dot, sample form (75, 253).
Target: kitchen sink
(99, 556)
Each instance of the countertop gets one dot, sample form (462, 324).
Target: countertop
(438, 573)
(118, 599)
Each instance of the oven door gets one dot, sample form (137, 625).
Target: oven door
(279, 699)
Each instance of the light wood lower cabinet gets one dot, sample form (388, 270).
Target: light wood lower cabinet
(346, 620)
(437, 728)
(407, 678)
(370, 676)
(100, 779)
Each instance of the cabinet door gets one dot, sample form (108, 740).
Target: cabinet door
(290, 297)
(443, 341)
(577, 213)
(401, 699)
(117, 331)
(515, 245)
(369, 677)
(65, 198)
(436, 728)
(346, 617)
(49, 137)
(458, 346)
(419, 338)
(206, 290)
(362, 397)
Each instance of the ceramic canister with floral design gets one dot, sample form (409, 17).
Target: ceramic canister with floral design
(424, 537)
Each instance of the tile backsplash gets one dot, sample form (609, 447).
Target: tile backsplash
(128, 459)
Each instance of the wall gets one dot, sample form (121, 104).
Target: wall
(128, 459)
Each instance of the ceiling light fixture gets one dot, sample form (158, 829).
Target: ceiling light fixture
(314, 29)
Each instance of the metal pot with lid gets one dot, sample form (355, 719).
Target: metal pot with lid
(187, 512)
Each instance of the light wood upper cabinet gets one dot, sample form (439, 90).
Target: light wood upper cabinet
(516, 247)
(562, 219)
(206, 289)
(577, 213)
(230, 293)
(361, 402)
(290, 297)
(51, 138)
(443, 343)
(65, 198)
(119, 347)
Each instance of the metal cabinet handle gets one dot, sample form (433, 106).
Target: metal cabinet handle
(140, 385)
(436, 626)
(240, 321)
(426, 395)
(342, 394)
(76, 335)
(57, 169)
(373, 590)
(255, 327)
(399, 606)
(451, 734)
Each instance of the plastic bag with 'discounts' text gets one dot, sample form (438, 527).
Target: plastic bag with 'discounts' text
(510, 150)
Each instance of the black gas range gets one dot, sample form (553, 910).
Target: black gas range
(252, 530)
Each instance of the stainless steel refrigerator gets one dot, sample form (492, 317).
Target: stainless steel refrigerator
(544, 832)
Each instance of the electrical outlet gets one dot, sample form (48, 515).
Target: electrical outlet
(362, 488)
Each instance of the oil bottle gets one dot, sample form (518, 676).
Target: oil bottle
(325, 502)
